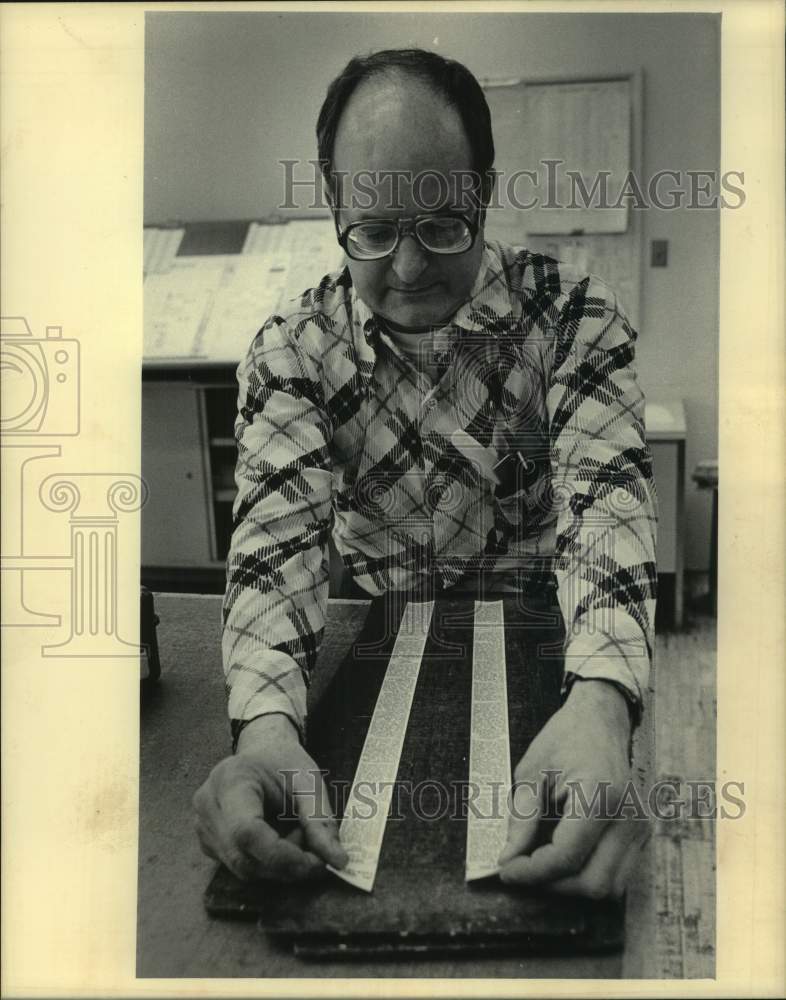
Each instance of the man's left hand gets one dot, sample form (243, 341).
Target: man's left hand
(580, 754)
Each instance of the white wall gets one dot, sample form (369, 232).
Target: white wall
(227, 95)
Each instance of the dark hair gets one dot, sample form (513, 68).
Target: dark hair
(449, 79)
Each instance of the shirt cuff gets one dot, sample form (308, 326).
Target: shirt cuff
(620, 657)
(272, 685)
(238, 725)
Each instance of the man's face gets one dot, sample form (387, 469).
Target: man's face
(395, 123)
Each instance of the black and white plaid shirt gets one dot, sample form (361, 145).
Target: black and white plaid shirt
(339, 431)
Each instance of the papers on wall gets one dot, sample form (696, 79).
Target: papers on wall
(610, 257)
(303, 249)
(308, 238)
(177, 305)
(160, 247)
(554, 142)
(251, 290)
(586, 126)
(209, 307)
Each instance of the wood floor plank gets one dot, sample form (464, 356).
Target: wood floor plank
(684, 850)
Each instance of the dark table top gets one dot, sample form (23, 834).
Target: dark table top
(184, 733)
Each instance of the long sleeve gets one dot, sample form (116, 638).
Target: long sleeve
(604, 493)
(277, 569)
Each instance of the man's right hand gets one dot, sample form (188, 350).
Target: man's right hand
(270, 775)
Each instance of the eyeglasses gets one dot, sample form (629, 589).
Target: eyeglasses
(373, 239)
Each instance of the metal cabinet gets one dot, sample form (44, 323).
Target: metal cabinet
(666, 432)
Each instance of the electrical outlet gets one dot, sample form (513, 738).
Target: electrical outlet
(659, 253)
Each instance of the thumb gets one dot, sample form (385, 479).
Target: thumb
(315, 814)
(525, 813)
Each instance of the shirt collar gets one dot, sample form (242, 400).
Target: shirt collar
(488, 309)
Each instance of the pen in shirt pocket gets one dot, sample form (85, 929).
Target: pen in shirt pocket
(485, 459)
(499, 470)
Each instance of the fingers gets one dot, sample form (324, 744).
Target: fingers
(573, 841)
(607, 871)
(260, 853)
(320, 830)
(296, 837)
(233, 827)
(526, 812)
(264, 854)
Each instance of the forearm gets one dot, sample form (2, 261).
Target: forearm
(606, 505)
(277, 569)
(609, 645)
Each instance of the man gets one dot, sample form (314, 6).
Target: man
(516, 436)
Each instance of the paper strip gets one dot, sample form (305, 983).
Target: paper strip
(366, 813)
(489, 750)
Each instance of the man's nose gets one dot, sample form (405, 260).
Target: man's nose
(409, 260)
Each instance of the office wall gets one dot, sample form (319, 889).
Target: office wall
(228, 95)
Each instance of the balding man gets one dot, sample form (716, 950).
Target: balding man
(453, 410)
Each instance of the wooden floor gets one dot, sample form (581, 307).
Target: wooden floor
(683, 850)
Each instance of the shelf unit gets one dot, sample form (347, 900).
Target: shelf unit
(188, 461)
(220, 403)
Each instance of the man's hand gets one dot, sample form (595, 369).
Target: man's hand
(270, 775)
(584, 746)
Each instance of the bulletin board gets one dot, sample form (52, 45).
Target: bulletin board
(206, 307)
(554, 140)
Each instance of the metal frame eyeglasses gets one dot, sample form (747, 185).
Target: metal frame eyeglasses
(349, 238)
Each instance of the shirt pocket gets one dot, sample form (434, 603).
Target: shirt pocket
(523, 498)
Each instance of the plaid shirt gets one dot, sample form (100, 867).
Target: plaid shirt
(338, 431)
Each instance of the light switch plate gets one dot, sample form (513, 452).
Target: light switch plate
(659, 253)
